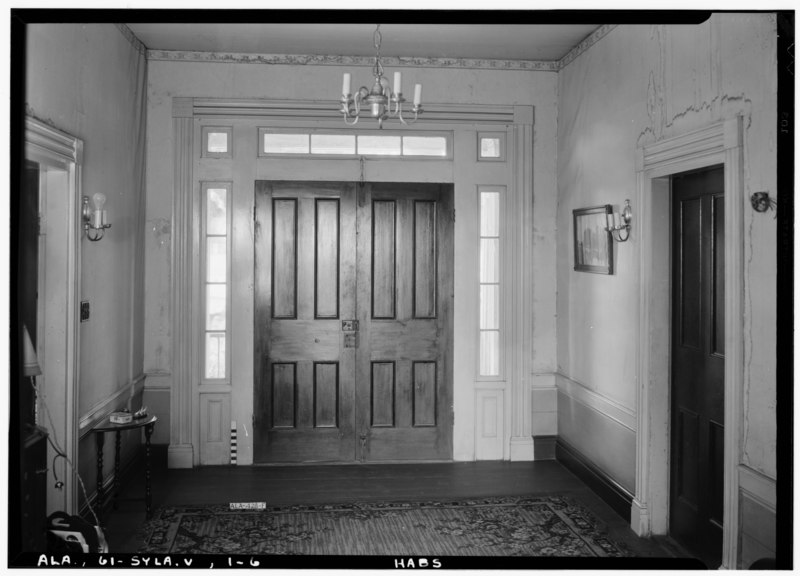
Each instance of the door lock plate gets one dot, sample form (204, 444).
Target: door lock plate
(349, 325)
(351, 340)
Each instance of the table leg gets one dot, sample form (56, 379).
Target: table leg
(148, 496)
(117, 450)
(100, 495)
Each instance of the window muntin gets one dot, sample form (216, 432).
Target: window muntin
(216, 279)
(490, 322)
(298, 143)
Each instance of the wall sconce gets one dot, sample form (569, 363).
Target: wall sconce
(616, 223)
(95, 217)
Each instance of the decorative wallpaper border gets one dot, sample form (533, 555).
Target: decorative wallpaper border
(132, 38)
(394, 61)
(585, 44)
(329, 60)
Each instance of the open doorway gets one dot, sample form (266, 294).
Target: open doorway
(50, 300)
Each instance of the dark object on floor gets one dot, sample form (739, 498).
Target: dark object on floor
(492, 526)
(72, 535)
(763, 564)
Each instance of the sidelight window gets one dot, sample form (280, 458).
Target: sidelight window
(489, 276)
(216, 297)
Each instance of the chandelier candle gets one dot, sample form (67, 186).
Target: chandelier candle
(382, 100)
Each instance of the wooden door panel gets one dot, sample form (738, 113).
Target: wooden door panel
(326, 395)
(424, 265)
(326, 258)
(284, 258)
(382, 394)
(304, 396)
(424, 393)
(404, 381)
(689, 273)
(698, 378)
(383, 259)
(382, 255)
(718, 267)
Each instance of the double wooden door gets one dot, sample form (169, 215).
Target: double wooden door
(353, 321)
(698, 362)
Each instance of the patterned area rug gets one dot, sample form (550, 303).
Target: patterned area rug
(507, 526)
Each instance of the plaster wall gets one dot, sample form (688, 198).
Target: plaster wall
(635, 86)
(89, 81)
(167, 79)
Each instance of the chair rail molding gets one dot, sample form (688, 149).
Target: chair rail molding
(718, 143)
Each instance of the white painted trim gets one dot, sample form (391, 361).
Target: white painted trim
(758, 487)
(519, 279)
(158, 380)
(185, 249)
(719, 143)
(105, 407)
(620, 414)
(517, 176)
(434, 117)
(53, 148)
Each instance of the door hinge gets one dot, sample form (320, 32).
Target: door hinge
(454, 215)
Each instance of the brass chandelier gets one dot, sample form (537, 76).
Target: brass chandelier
(383, 100)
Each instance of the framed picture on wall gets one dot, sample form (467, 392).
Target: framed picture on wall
(593, 245)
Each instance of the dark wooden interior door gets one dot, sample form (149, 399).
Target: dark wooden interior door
(698, 360)
(405, 312)
(305, 251)
(353, 322)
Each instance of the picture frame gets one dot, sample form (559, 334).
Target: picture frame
(594, 248)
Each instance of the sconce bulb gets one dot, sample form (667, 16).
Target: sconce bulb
(627, 214)
(99, 200)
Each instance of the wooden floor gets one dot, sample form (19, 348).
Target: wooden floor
(284, 485)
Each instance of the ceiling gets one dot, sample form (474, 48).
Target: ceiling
(474, 41)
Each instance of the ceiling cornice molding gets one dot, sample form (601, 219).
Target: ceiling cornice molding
(394, 61)
(329, 60)
(585, 44)
(132, 38)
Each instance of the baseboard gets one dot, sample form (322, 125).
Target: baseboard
(604, 486)
(544, 447)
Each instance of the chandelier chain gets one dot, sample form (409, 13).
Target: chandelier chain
(376, 41)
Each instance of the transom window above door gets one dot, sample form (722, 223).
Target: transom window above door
(276, 142)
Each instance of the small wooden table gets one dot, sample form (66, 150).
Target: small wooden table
(148, 423)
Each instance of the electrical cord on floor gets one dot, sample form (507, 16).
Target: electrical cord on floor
(51, 438)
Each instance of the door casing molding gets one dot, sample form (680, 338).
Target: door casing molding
(55, 150)
(719, 143)
(517, 174)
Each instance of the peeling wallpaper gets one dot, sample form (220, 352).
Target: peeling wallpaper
(636, 85)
